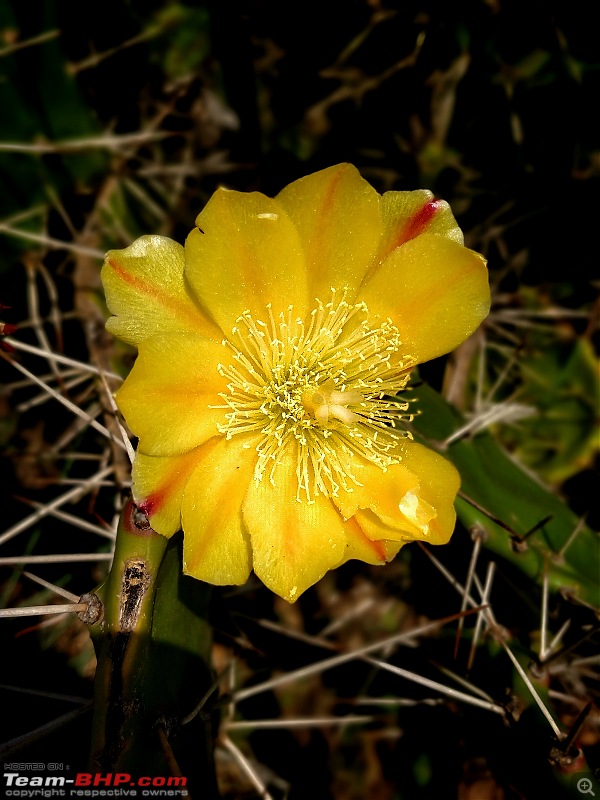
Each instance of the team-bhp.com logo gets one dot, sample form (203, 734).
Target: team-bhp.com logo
(18, 785)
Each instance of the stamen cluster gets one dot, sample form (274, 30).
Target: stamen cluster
(326, 387)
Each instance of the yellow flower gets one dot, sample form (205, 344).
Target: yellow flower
(270, 352)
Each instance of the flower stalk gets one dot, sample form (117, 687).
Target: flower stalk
(143, 688)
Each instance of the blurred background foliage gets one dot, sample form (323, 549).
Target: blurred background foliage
(121, 118)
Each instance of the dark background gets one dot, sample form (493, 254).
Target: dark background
(493, 105)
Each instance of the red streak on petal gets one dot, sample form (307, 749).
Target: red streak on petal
(155, 501)
(156, 293)
(174, 482)
(412, 227)
(152, 504)
(137, 283)
(415, 225)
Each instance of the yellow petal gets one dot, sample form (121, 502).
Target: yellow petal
(361, 547)
(145, 290)
(216, 546)
(169, 396)
(439, 529)
(248, 255)
(158, 486)
(435, 291)
(293, 543)
(380, 491)
(373, 528)
(406, 215)
(411, 500)
(337, 216)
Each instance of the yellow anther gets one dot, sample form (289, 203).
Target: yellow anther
(326, 389)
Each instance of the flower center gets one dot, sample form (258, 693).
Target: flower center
(325, 388)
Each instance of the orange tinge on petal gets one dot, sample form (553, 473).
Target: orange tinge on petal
(336, 213)
(293, 543)
(244, 255)
(410, 500)
(145, 290)
(171, 399)
(373, 551)
(216, 547)
(434, 290)
(158, 486)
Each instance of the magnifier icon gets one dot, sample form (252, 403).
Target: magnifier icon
(584, 785)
